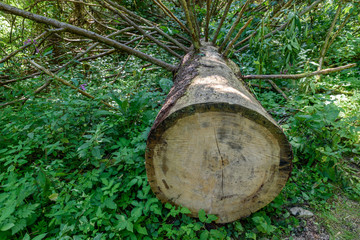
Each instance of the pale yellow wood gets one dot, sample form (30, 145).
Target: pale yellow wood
(214, 147)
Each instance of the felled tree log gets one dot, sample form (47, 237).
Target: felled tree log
(213, 146)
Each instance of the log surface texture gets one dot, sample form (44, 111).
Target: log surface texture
(213, 146)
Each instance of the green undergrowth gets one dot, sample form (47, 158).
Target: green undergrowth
(72, 170)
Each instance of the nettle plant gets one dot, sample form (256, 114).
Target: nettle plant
(74, 168)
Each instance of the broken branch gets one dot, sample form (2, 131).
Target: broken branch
(67, 83)
(221, 21)
(301, 75)
(232, 29)
(86, 33)
(230, 45)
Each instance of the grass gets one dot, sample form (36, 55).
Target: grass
(342, 221)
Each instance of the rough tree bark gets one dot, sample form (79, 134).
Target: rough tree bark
(213, 146)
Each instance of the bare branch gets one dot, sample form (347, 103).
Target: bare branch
(301, 75)
(276, 14)
(237, 37)
(24, 99)
(97, 21)
(194, 36)
(26, 45)
(278, 11)
(214, 7)
(327, 38)
(123, 66)
(81, 2)
(149, 23)
(232, 29)
(85, 33)
(278, 89)
(19, 79)
(222, 21)
(144, 33)
(193, 17)
(67, 83)
(12, 102)
(75, 60)
(92, 47)
(170, 14)
(334, 36)
(8, 87)
(245, 40)
(98, 55)
(208, 14)
(306, 10)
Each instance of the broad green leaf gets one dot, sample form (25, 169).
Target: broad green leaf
(96, 152)
(7, 227)
(26, 237)
(202, 215)
(141, 230)
(211, 218)
(39, 237)
(217, 234)
(204, 235)
(185, 210)
(64, 140)
(110, 203)
(239, 227)
(122, 223)
(130, 227)
(250, 235)
(136, 213)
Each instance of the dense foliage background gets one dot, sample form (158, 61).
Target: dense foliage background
(73, 168)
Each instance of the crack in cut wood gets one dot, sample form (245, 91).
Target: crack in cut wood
(222, 165)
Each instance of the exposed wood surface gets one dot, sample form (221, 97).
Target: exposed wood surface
(213, 146)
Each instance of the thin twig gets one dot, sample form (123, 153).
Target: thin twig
(232, 29)
(86, 33)
(98, 22)
(67, 83)
(24, 99)
(23, 47)
(8, 87)
(137, 27)
(208, 4)
(149, 23)
(306, 10)
(232, 42)
(195, 38)
(98, 55)
(301, 75)
(334, 36)
(221, 21)
(170, 14)
(327, 38)
(278, 89)
(276, 14)
(123, 66)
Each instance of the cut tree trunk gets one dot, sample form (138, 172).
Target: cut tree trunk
(213, 146)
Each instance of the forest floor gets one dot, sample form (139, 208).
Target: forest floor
(341, 220)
